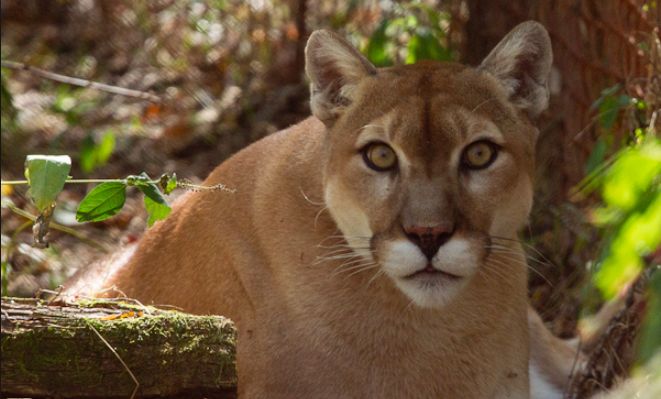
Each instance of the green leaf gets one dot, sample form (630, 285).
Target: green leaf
(5, 96)
(168, 183)
(156, 211)
(151, 190)
(425, 46)
(607, 92)
(632, 195)
(411, 22)
(46, 175)
(610, 109)
(376, 50)
(412, 50)
(632, 174)
(104, 201)
(6, 270)
(94, 155)
(641, 105)
(172, 184)
(616, 271)
(87, 158)
(650, 334)
(155, 203)
(6, 102)
(105, 147)
(597, 156)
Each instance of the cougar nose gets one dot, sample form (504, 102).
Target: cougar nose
(429, 238)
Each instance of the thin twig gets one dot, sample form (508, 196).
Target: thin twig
(187, 184)
(6, 314)
(77, 181)
(19, 66)
(577, 355)
(114, 352)
(18, 230)
(57, 226)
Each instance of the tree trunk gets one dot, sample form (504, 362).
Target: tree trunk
(101, 348)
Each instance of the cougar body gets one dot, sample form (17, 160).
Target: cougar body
(368, 251)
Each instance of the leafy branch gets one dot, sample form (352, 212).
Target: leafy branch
(55, 226)
(47, 174)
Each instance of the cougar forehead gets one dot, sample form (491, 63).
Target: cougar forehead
(435, 85)
(425, 111)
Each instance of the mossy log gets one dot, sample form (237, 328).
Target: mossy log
(114, 349)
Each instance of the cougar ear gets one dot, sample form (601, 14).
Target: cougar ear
(522, 62)
(334, 68)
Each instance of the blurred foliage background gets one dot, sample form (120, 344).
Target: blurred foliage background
(228, 72)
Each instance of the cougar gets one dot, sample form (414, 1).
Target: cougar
(371, 250)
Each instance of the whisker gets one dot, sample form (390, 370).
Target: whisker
(353, 263)
(316, 217)
(340, 238)
(335, 236)
(344, 236)
(309, 200)
(481, 104)
(337, 246)
(343, 246)
(525, 244)
(337, 257)
(354, 269)
(336, 251)
(532, 259)
(409, 306)
(376, 275)
(496, 272)
(486, 275)
(540, 274)
(365, 268)
(502, 251)
(343, 240)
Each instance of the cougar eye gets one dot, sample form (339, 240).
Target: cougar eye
(479, 154)
(379, 156)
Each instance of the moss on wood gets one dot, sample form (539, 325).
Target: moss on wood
(53, 350)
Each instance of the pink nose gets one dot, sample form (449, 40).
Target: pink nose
(429, 238)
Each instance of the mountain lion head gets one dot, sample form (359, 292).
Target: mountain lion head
(428, 164)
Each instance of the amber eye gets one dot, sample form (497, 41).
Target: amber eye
(379, 156)
(480, 154)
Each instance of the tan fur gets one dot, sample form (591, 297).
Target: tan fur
(302, 255)
(556, 358)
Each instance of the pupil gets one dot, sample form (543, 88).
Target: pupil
(380, 156)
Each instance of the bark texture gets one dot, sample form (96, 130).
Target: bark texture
(64, 350)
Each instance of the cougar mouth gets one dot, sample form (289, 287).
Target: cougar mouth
(431, 271)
